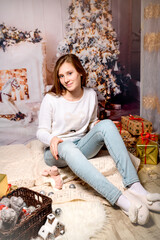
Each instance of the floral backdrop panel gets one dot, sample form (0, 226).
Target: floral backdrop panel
(8, 77)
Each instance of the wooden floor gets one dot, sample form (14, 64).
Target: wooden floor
(119, 227)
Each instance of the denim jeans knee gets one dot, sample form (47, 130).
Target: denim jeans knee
(105, 124)
(65, 148)
(51, 161)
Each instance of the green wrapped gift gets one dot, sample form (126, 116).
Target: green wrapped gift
(147, 151)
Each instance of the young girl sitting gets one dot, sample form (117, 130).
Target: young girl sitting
(72, 133)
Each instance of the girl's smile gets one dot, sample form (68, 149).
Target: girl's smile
(71, 81)
(69, 77)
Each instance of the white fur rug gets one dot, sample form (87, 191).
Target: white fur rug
(82, 219)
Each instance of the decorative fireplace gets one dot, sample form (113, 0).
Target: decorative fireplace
(26, 63)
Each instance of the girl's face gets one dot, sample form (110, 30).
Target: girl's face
(69, 77)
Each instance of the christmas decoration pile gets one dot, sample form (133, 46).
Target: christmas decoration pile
(90, 35)
(11, 35)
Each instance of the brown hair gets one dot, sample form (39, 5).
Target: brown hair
(57, 87)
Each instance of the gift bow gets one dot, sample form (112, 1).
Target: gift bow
(149, 137)
(131, 117)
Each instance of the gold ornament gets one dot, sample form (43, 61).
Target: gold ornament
(151, 102)
(152, 41)
(152, 11)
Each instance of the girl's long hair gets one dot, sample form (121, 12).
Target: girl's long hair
(57, 87)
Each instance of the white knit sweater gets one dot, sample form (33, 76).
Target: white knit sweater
(66, 119)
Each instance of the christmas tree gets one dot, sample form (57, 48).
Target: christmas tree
(90, 35)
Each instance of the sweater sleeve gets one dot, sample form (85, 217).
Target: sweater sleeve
(94, 117)
(45, 121)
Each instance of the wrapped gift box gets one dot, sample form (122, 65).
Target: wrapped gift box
(147, 151)
(136, 125)
(130, 142)
(124, 133)
(3, 185)
(127, 137)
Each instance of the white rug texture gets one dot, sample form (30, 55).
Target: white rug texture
(82, 219)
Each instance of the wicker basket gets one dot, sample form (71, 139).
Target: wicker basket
(30, 226)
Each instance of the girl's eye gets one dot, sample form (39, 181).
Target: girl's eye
(70, 73)
(60, 76)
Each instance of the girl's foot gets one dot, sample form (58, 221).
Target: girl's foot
(132, 207)
(152, 200)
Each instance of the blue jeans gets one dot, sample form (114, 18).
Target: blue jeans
(76, 155)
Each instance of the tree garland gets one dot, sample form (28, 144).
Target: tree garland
(11, 35)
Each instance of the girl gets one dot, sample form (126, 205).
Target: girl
(69, 127)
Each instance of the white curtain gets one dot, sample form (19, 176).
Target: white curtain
(49, 16)
(150, 62)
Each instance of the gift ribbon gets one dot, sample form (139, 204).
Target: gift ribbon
(2, 206)
(9, 188)
(131, 117)
(148, 137)
(119, 125)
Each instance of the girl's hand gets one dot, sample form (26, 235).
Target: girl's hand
(54, 146)
(97, 122)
